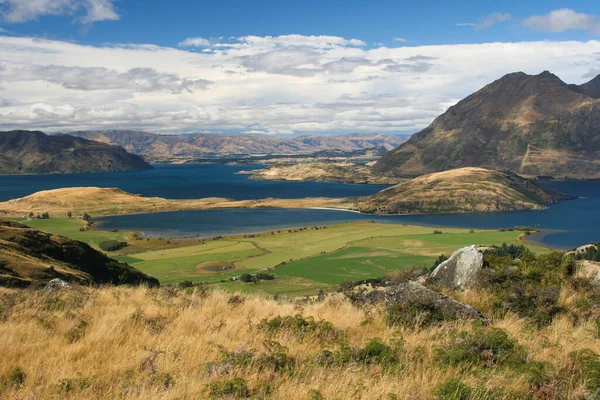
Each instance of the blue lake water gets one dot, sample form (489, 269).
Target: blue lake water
(565, 225)
(188, 181)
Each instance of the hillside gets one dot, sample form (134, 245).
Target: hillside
(539, 340)
(153, 146)
(112, 201)
(530, 125)
(30, 257)
(344, 172)
(460, 190)
(29, 152)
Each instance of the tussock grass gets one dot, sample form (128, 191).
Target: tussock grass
(170, 343)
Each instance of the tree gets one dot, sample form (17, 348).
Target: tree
(69, 214)
(86, 217)
(246, 278)
(45, 216)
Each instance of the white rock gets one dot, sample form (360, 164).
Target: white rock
(459, 271)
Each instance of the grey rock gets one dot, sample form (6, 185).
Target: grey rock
(56, 284)
(413, 292)
(459, 271)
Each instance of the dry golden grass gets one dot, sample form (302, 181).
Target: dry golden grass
(141, 343)
(111, 201)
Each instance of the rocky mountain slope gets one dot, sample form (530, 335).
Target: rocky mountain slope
(31, 257)
(153, 146)
(34, 152)
(531, 125)
(460, 190)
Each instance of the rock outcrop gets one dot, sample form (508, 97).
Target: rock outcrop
(460, 270)
(415, 293)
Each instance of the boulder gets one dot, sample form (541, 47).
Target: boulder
(459, 271)
(56, 284)
(415, 293)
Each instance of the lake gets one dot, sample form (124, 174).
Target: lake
(187, 181)
(564, 225)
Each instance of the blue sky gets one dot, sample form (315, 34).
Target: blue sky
(274, 67)
(424, 22)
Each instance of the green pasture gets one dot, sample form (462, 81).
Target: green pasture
(302, 260)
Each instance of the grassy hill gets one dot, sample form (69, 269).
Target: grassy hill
(31, 257)
(532, 125)
(325, 172)
(460, 190)
(540, 340)
(33, 152)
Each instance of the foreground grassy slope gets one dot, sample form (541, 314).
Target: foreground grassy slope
(302, 260)
(140, 343)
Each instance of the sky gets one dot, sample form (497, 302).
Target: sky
(275, 67)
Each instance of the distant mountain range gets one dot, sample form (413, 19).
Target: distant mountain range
(24, 152)
(531, 125)
(156, 147)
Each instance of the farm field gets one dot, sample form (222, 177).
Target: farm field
(302, 260)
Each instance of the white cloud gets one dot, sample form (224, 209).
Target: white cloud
(195, 42)
(562, 20)
(85, 11)
(399, 39)
(100, 78)
(264, 84)
(465, 24)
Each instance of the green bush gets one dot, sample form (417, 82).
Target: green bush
(236, 387)
(246, 278)
(112, 245)
(15, 378)
(452, 389)
(300, 326)
(482, 347)
(415, 314)
(263, 276)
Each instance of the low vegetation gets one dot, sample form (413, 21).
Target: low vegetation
(191, 341)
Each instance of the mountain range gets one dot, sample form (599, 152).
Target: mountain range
(35, 152)
(532, 125)
(160, 147)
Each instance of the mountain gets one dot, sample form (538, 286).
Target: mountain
(154, 146)
(530, 125)
(29, 152)
(31, 257)
(460, 190)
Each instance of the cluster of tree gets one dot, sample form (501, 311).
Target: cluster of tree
(591, 253)
(261, 276)
(513, 251)
(42, 216)
(112, 245)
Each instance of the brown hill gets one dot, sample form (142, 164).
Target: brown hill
(530, 125)
(460, 190)
(31, 257)
(153, 146)
(34, 152)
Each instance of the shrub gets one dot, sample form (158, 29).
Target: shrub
(236, 387)
(415, 314)
(15, 378)
(438, 261)
(585, 365)
(452, 389)
(436, 232)
(112, 245)
(300, 326)
(246, 278)
(482, 347)
(374, 352)
(185, 284)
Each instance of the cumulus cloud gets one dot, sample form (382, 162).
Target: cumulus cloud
(562, 20)
(291, 84)
(85, 11)
(101, 78)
